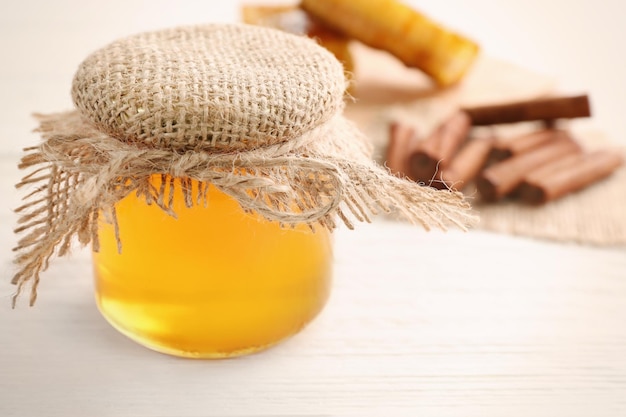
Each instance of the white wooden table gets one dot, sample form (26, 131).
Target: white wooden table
(431, 324)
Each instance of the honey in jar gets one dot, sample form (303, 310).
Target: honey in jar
(213, 282)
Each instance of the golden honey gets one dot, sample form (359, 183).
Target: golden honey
(213, 282)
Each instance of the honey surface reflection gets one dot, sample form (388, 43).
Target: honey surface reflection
(215, 282)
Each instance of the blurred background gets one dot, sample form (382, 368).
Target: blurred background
(578, 43)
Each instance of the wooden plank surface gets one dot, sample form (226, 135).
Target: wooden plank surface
(446, 324)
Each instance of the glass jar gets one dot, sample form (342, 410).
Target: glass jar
(214, 282)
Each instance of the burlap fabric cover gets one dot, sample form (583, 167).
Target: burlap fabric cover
(252, 111)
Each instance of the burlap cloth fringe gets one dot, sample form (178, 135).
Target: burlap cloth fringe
(79, 173)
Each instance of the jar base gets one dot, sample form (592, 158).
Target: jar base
(168, 350)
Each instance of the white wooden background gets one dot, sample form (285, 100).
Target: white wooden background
(432, 324)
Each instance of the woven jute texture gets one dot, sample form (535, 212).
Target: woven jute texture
(224, 87)
(253, 111)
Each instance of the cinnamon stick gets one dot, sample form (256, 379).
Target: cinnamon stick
(402, 138)
(503, 149)
(467, 163)
(531, 110)
(501, 179)
(569, 175)
(436, 151)
(551, 168)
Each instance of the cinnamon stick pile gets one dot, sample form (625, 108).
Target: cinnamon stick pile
(535, 168)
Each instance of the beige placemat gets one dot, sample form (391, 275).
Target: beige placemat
(386, 91)
(595, 215)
